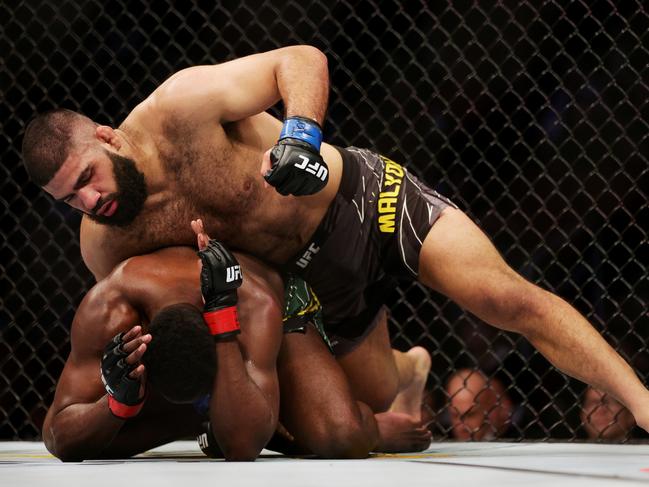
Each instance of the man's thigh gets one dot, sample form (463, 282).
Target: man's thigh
(314, 393)
(458, 260)
(371, 369)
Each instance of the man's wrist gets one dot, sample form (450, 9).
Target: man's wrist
(302, 128)
(124, 411)
(222, 323)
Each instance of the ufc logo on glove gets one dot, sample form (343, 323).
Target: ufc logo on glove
(316, 169)
(233, 273)
(297, 168)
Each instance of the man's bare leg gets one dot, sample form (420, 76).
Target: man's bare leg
(413, 367)
(317, 404)
(373, 374)
(458, 260)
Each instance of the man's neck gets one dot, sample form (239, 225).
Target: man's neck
(140, 147)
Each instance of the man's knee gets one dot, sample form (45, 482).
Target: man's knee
(459, 260)
(515, 303)
(342, 436)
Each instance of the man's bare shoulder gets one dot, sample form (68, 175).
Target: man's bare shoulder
(145, 119)
(165, 102)
(104, 312)
(167, 263)
(171, 115)
(113, 304)
(196, 94)
(260, 281)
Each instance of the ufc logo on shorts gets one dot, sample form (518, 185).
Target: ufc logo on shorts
(202, 441)
(232, 273)
(305, 260)
(315, 168)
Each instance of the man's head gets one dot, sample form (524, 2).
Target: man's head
(479, 407)
(77, 161)
(604, 418)
(180, 360)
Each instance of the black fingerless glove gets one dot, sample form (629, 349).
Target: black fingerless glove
(220, 279)
(297, 167)
(124, 398)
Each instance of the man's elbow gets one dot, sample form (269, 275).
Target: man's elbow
(67, 447)
(312, 53)
(68, 457)
(242, 446)
(48, 440)
(315, 53)
(62, 450)
(241, 453)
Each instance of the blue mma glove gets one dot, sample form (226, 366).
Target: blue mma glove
(297, 167)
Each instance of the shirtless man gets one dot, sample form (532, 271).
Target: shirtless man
(367, 220)
(155, 300)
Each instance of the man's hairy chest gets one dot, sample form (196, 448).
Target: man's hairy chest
(217, 181)
(236, 222)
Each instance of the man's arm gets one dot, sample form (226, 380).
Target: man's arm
(244, 406)
(79, 423)
(238, 89)
(85, 428)
(212, 95)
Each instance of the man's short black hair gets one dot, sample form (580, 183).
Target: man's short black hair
(47, 142)
(180, 360)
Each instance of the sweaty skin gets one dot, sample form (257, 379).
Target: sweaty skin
(79, 424)
(317, 403)
(199, 140)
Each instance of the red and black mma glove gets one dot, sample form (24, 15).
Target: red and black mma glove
(124, 398)
(220, 278)
(297, 167)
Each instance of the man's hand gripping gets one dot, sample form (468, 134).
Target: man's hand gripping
(122, 373)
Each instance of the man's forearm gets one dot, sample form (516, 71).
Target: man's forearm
(154, 427)
(82, 431)
(303, 81)
(241, 415)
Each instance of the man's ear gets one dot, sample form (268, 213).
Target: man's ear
(108, 136)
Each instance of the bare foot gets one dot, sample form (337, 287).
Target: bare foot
(413, 366)
(399, 433)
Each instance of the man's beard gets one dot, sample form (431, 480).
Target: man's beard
(130, 196)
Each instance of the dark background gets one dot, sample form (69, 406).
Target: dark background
(533, 118)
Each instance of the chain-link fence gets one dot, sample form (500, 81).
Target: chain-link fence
(530, 115)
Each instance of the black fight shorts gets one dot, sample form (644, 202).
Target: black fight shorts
(371, 234)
